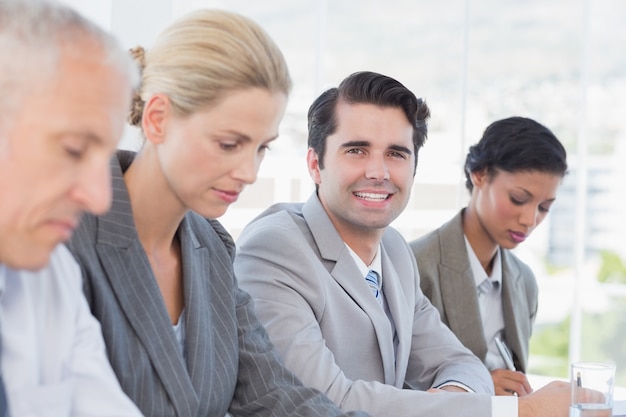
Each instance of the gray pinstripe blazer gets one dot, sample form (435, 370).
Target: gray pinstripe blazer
(230, 363)
(448, 282)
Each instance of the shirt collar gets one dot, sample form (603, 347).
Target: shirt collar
(477, 269)
(376, 264)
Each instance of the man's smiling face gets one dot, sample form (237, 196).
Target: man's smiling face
(368, 168)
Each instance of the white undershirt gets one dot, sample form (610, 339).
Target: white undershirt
(179, 332)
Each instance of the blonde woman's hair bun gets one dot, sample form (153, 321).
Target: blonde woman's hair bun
(135, 115)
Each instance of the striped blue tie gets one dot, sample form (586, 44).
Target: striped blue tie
(372, 280)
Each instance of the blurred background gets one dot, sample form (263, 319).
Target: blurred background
(561, 62)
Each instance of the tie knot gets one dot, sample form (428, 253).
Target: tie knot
(487, 286)
(372, 280)
(372, 276)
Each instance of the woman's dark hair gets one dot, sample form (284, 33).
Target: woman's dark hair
(516, 144)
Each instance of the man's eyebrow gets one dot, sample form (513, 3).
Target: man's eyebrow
(357, 143)
(365, 143)
(400, 148)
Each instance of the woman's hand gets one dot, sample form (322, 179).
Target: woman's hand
(508, 382)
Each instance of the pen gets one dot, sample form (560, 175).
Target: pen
(579, 382)
(504, 352)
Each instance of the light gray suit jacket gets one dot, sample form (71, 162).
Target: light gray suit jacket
(230, 363)
(447, 280)
(320, 313)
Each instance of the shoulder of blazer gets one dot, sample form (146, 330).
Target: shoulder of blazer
(449, 236)
(425, 244)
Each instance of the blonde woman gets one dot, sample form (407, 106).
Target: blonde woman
(181, 336)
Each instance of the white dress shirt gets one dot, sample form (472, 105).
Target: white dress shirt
(490, 304)
(53, 357)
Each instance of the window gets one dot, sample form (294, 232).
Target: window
(557, 61)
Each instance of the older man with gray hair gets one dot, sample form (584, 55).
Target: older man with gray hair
(66, 87)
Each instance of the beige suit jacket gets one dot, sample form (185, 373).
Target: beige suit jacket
(447, 280)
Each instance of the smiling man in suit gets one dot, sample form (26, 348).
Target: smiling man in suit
(338, 289)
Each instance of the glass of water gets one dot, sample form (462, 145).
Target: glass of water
(592, 389)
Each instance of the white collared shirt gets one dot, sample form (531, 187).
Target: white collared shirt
(490, 305)
(375, 266)
(53, 355)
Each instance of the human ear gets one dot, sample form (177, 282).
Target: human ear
(155, 114)
(479, 177)
(312, 161)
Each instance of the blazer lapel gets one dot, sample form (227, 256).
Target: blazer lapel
(457, 283)
(197, 274)
(402, 318)
(335, 255)
(343, 269)
(515, 310)
(129, 272)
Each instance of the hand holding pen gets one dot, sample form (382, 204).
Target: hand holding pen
(509, 381)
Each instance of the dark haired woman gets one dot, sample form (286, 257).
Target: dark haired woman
(484, 293)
